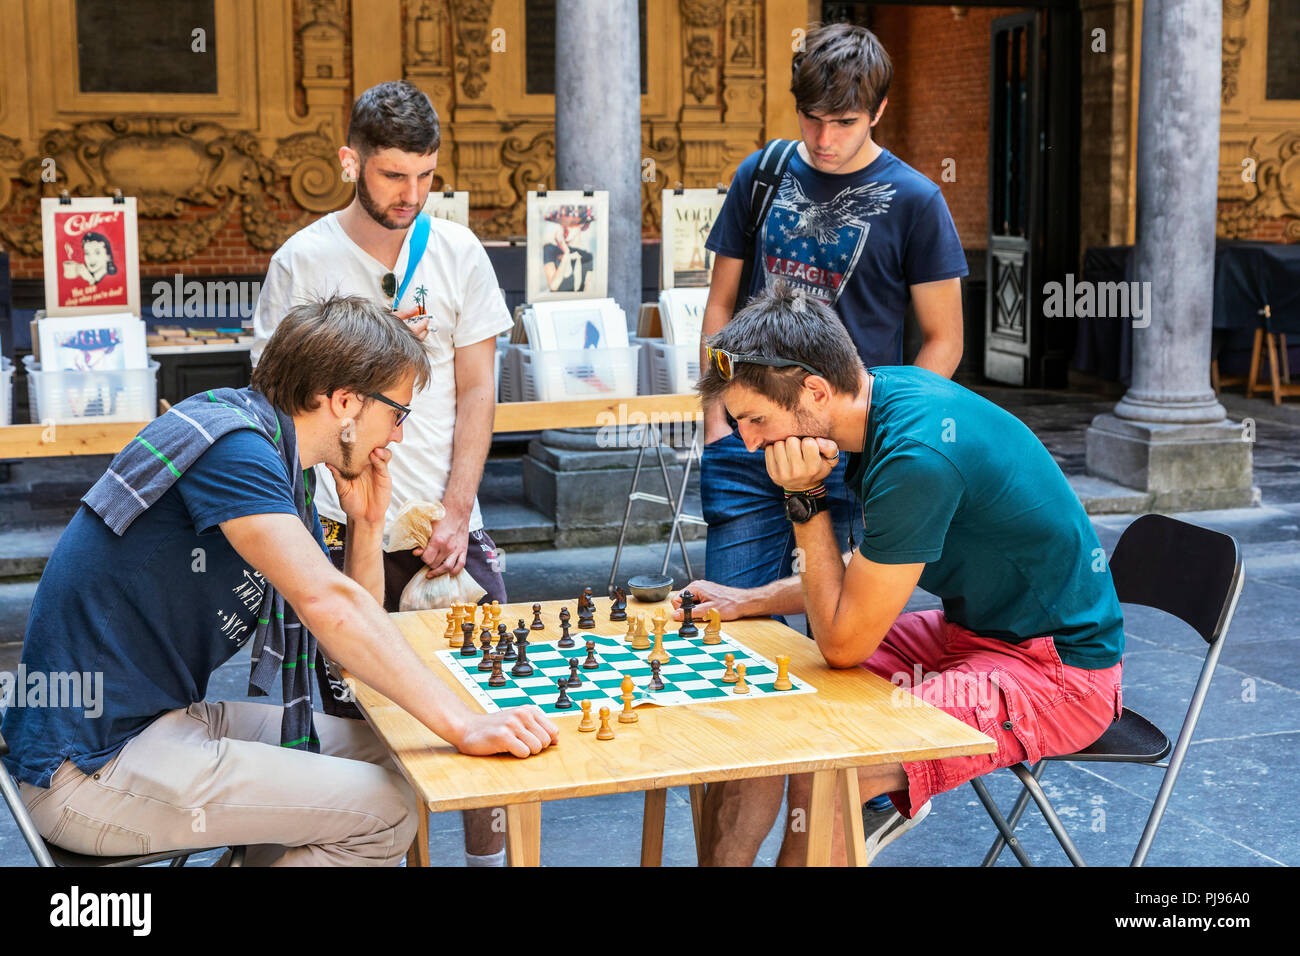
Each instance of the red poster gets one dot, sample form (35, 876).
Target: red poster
(91, 252)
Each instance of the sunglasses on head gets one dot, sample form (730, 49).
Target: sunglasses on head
(403, 410)
(725, 362)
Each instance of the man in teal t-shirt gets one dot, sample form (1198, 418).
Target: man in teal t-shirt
(959, 497)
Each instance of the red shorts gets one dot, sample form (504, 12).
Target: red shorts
(1020, 695)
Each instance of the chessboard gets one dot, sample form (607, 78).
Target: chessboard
(692, 675)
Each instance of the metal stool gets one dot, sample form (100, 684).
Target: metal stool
(675, 502)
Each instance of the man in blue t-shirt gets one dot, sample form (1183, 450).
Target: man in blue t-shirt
(133, 615)
(853, 226)
(959, 497)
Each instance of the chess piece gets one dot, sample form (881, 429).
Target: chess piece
(495, 613)
(783, 681)
(618, 610)
(510, 654)
(741, 686)
(631, 628)
(453, 638)
(486, 633)
(606, 732)
(713, 630)
(640, 639)
(566, 639)
(486, 663)
(587, 723)
(591, 664)
(586, 611)
(628, 715)
(521, 629)
(503, 638)
(537, 624)
(688, 628)
(656, 682)
(522, 668)
(457, 616)
(729, 677)
(467, 648)
(562, 702)
(497, 679)
(575, 679)
(657, 653)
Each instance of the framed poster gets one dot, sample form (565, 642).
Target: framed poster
(568, 245)
(92, 258)
(449, 205)
(688, 216)
(588, 324)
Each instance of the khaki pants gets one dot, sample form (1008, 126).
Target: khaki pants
(215, 775)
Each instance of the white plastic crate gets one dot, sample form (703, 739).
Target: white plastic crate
(6, 391)
(644, 378)
(673, 368)
(562, 374)
(66, 398)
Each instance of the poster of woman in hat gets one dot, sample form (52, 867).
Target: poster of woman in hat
(568, 245)
(91, 256)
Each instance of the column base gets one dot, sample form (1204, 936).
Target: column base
(1183, 467)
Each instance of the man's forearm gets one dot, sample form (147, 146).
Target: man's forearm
(356, 632)
(363, 557)
(941, 357)
(475, 408)
(822, 577)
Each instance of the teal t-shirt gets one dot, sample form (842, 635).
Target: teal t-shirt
(951, 480)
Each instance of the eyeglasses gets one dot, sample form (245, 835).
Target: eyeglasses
(403, 409)
(389, 284)
(725, 361)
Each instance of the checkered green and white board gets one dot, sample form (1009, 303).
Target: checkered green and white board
(694, 674)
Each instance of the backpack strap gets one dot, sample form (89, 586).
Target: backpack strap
(415, 252)
(762, 191)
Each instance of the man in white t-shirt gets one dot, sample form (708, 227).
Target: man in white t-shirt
(392, 149)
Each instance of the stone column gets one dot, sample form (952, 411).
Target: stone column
(598, 125)
(1168, 435)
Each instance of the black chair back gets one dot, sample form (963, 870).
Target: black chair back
(1180, 568)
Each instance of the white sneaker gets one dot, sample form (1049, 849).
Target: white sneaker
(883, 827)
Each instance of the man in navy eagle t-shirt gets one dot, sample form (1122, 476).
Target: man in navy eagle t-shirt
(851, 225)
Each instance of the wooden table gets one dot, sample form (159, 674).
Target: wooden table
(108, 438)
(849, 723)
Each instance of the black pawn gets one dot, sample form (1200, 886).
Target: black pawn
(537, 624)
(590, 664)
(503, 638)
(497, 679)
(486, 663)
(522, 668)
(618, 610)
(656, 682)
(509, 653)
(688, 628)
(565, 616)
(575, 679)
(566, 639)
(563, 702)
(468, 648)
(486, 634)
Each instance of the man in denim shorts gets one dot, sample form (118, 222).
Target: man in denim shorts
(959, 497)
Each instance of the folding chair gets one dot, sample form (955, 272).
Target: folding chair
(1182, 569)
(47, 854)
(650, 435)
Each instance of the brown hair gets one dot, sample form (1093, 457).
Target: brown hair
(783, 323)
(841, 69)
(345, 342)
(394, 115)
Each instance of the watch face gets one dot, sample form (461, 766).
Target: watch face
(798, 509)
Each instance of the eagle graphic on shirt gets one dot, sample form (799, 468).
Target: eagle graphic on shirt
(814, 246)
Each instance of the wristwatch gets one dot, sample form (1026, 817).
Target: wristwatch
(800, 506)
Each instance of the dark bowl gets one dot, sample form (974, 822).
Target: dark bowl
(650, 587)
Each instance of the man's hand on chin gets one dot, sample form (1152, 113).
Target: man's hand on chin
(801, 464)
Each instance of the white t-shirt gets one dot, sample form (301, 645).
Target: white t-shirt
(464, 304)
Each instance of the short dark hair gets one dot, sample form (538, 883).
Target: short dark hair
(394, 115)
(841, 69)
(784, 323)
(346, 342)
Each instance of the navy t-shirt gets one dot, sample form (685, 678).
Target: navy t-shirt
(154, 611)
(857, 241)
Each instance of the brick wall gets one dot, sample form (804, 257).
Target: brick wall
(939, 103)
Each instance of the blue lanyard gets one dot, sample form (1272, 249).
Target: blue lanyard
(419, 242)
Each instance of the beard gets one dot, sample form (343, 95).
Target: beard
(345, 454)
(808, 426)
(381, 216)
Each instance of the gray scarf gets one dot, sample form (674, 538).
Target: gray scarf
(144, 470)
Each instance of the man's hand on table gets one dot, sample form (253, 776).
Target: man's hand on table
(732, 603)
(522, 731)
